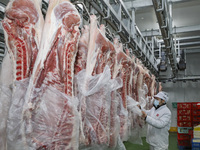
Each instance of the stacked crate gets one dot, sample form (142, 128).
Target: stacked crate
(188, 116)
(184, 123)
(195, 114)
(196, 126)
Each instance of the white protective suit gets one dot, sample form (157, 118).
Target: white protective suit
(159, 121)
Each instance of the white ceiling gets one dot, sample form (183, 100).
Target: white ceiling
(146, 19)
(185, 13)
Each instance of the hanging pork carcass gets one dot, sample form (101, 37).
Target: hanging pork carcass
(22, 24)
(52, 72)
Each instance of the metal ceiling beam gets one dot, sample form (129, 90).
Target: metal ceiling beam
(188, 48)
(2, 42)
(146, 3)
(164, 16)
(187, 45)
(2, 7)
(186, 78)
(190, 43)
(183, 38)
(188, 38)
(152, 32)
(186, 29)
(175, 30)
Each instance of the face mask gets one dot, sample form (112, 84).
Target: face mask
(156, 103)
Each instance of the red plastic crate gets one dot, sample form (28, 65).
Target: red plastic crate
(195, 105)
(183, 105)
(184, 124)
(196, 118)
(184, 118)
(184, 136)
(184, 112)
(184, 142)
(196, 112)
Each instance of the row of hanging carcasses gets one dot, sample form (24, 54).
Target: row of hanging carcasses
(71, 89)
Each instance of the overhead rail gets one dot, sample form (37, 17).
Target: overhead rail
(165, 23)
(183, 79)
(190, 42)
(188, 38)
(175, 30)
(2, 42)
(2, 10)
(44, 7)
(115, 14)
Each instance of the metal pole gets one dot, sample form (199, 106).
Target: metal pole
(133, 23)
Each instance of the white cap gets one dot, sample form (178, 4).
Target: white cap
(162, 95)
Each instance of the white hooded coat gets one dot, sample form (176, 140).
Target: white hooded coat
(159, 121)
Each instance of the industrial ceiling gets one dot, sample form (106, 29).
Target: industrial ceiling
(185, 15)
(148, 17)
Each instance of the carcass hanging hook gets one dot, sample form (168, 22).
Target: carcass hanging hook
(85, 8)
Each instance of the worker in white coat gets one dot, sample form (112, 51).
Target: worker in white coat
(159, 121)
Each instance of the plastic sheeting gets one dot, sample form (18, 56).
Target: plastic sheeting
(5, 96)
(54, 124)
(95, 119)
(98, 122)
(134, 115)
(143, 98)
(132, 105)
(15, 132)
(6, 81)
(137, 124)
(124, 120)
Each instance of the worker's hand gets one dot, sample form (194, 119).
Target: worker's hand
(138, 106)
(144, 115)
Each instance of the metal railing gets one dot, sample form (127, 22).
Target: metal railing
(116, 17)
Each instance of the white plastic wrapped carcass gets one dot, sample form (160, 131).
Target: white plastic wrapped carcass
(134, 115)
(54, 124)
(15, 134)
(137, 124)
(124, 120)
(96, 94)
(143, 96)
(6, 87)
(5, 96)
